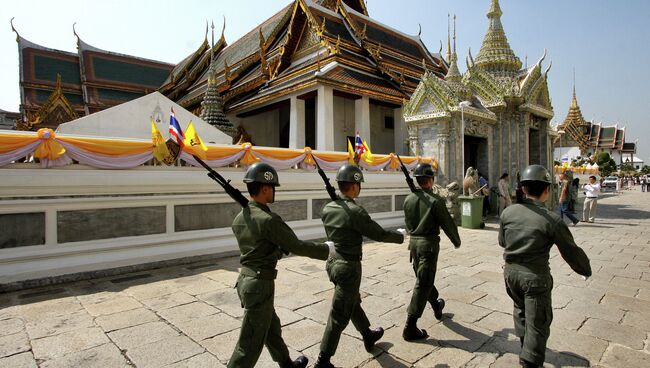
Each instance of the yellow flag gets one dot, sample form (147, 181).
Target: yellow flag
(195, 143)
(160, 151)
(367, 155)
(350, 153)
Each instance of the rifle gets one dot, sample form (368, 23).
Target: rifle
(330, 189)
(233, 192)
(409, 179)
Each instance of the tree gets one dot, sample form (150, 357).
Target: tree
(645, 169)
(627, 169)
(606, 163)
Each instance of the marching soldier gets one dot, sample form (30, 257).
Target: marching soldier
(425, 213)
(262, 237)
(345, 224)
(527, 233)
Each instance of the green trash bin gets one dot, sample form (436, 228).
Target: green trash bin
(471, 212)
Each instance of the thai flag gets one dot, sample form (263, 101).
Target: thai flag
(359, 147)
(175, 129)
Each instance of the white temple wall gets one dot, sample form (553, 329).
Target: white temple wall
(264, 128)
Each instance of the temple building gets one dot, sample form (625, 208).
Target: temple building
(58, 86)
(494, 117)
(313, 74)
(578, 137)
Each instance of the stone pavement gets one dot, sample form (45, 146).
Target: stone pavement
(189, 315)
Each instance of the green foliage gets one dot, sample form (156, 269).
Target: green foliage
(645, 169)
(627, 169)
(606, 163)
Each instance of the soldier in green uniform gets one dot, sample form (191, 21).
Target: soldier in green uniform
(424, 214)
(345, 224)
(262, 237)
(527, 233)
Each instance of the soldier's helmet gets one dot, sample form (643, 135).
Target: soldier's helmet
(350, 173)
(262, 173)
(423, 170)
(536, 173)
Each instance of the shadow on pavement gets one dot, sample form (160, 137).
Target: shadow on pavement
(387, 360)
(555, 358)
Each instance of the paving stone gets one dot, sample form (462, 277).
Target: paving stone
(107, 355)
(506, 361)
(621, 356)
(626, 303)
(501, 323)
(225, 300)
(152, 290)
(222, 345)
(195, 285)
(126, 319)
(49, 308)
(112, 306)
(445, 357)
(303, 334)
(23, 360)
(164, 352)
(132, 337)
(458, 334)
(205, 360)
(482, 359)
(318, 312)
(287, 316)
(392, 343)
(11, 326)
(465, 312)
(349, 353)
(59, 324)
(581, 345)
(168, 301)
(57, 346)
(597, 311)
(499, 302)
(624, 335)
(386, 360)
(568, 319)
(467, 296)
(187, 311)
(205, 327)
(14, 344)
(378, 305)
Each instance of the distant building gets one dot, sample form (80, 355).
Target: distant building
(578, 137)
(8, 119)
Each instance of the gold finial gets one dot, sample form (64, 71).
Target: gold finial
(419, 30)
(212, 33)
(364, 30)
(322, 26)
(14, 29)
(262, 41)
(337, 46)
(223, 29)
(454, 34)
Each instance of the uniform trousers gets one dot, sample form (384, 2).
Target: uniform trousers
(346, 303)
(260, 325)
(533, 309)
(424, 255)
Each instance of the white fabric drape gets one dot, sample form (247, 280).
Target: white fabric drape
(9, 157)
(213, 163)
(104, 161)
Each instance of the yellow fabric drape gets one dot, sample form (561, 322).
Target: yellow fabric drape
(49, 148)
(12, 142)
(108, 147)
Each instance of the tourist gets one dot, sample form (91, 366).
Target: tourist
(642, 179)
(592, 190)
(260, 233)
(346, 223)
(504, 192)
(527, 232)
(483, 183)
(425, 213)
(565, 197)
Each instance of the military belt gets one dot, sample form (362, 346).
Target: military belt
(426, 237)
(348, 257)
(263, 274)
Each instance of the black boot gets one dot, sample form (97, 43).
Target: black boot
(527, 364)
(300, 362)
(438, 306)
(371, 336)
(411, 331)
(521, 341)
(323, 361)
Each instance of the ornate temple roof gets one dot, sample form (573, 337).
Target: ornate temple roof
(496, 55)
(575, 126)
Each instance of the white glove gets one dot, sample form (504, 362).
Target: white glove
(401, 231)
(585, 278)
(330, 245)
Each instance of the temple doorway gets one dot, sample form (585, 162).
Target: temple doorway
(476, 154)
(534, 151)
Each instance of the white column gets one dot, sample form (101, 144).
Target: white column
(399, 132)
(362, 118)
(297, 123)
(325, 118)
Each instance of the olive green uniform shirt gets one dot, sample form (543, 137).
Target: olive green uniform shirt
(528, 231)
(425, 213)
(262, 235)
(346, 223)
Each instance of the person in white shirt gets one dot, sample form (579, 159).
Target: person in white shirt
(592, 190)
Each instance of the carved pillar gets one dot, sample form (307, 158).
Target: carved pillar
(413, 139)
(443, 159)
(362, 118)
(400, 133)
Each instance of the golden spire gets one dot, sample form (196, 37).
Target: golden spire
(453, 74)
(574, 101)
(495, 54)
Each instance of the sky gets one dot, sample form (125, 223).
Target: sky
(606, 42)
